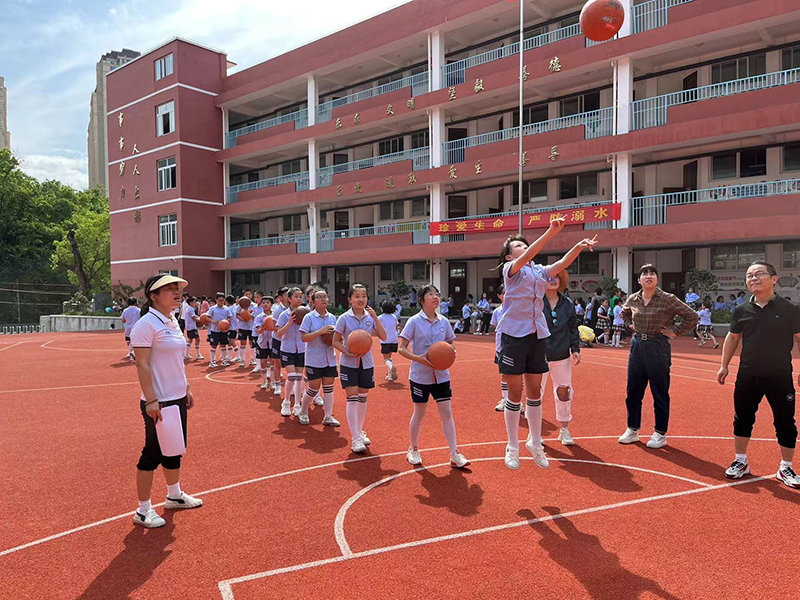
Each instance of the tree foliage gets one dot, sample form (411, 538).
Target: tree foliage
(704, 282)
(84, 251)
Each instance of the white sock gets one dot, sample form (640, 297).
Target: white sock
(188, 347)
(389, 364)
(242, 352)
(742, 458)
(298, 388)
(352, 417)
(327, 399)
(308, 398)
(362, 411)
(786, 463)
(504, 390)
(174, 491)
(130, 351)
(533, 413)
(448, 425)
(511, 413)
(288, 388)
(416, 423)
(144, 506)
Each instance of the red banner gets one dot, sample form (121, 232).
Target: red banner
(574, 216)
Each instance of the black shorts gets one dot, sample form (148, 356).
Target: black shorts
(263, 353)
(218, 337)
(705, 329)
(193, 334)
(357, 377)
(276, 348)
(233, 334)
(127, 338)
(253, 339)
(780, 393)
(292, 359)
(440, 392)
(496, 357)
(182, 324)
(520, 356)
(388, 348)
(314, 373)
(244, 334)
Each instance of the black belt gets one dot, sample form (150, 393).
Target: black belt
(649, 336)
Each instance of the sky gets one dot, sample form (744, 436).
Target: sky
(49, 49)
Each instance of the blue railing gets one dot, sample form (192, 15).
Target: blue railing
(301, 239)
(300, 179)
(652, 112)
(653, 14)
(299, 117)
(420, 156)
(418, 84)
(598, 123)
(326, 238)
(652, 210)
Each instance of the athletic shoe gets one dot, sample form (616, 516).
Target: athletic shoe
(318, 401)
(629, 437)
(297, 409)
(512, 457)
(413, 457)
(286, 409)
(501, 406)
(365, 439)
(235, 359)
(213, 364)
(703, 343)
(565, 438)
(225, 362)
(253, 362)
(185, 501)
(256, 370)
(303, 418)
(659, 440)
(276, 388)
(330, 422)
(394, 373)
(358, 446)
(789, 477)
(200, 357)
(265, 385)
(150, 521)
(187, 357)
(458, 461)
(388, 377)
(716, 345)
(737, 470)
(537, 453)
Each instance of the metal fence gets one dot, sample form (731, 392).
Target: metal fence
(300, 179)
(299, 117)
(16, 329)
(420, 156)
(278, 240)
(418, 84)
(326, 238)
(653, 14)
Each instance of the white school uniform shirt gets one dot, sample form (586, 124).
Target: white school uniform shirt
(497, 313)
(459, 328)
(291, 342)
(318, 353)
(217, 313)
(524, 293)
(232, 317)
(398, 311)
(422, 334)
(348, 323)
(618, 314)
(444, 306)
(705, 316)
(265, 337)
(277, 311)
(246, 325)
(465, 312)
(167, 348)
(182, 314)
(131, 315)
(389, 323)
(188, 316)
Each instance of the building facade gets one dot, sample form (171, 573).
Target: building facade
(5, 134)
(96, 136)
(390, 149)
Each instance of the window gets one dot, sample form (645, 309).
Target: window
(168, 230)
(580, 104)
(568, 22)
(167, 174)
(243, 279)
(790, 58)
(532, 191)
(791, 255)
(390, 146)
(739, 68)
(458, 272)
(587, 264)
(532, 114)
(574, 186)
(420, 140)
(165, 118)
(420, 208)
(736, 258)
(456, 207)
(292, 167)
(391, 210)
(173, 272)
(751, 253)
(294, 276)
(723, 166)
(791, 157)
(753, 163)
(163, 67)
(392, 272)
(292, 222)
(245, 231)
(419, 271)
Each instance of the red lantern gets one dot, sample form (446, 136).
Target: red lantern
(602, 19)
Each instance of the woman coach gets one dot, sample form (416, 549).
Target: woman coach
(160, 346)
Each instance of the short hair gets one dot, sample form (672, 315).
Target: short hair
(282, 290)
(387, 307)
(501, 290)
(269, 299)
(219, 295)
(132, 301)
(598, 290)
(292, 291)
(245, 290)
(258, 293)
(230, 298)
(356, 286)
(425, 290)
(648, 268)
(191, 299)
(770, 269)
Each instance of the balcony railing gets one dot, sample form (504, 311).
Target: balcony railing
(652, 210)
(598, 123)
(299, 117)
(420, 156)
(527, 211)
(233, 191)
(652, 112)
(653, 14)
(326, 238)
(301, 239)
(418, 84)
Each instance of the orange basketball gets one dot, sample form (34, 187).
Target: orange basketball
(359, 342)
(204, 319)
(269, 324)
(602, 19)
(224, 325)
(327, 339)
(244, 302)
(441, 355)
(299, 313)
(245, 315)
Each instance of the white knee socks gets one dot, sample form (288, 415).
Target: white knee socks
(533, 413)
(362, 411)
(308, 398)
(327, 400)
(416, 423)
(511, 414)
(504, 389)
(448, 425)
(352, 416)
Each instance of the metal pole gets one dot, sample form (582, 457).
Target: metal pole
(19, 314)
(521, 105)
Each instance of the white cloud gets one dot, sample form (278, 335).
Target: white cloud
(68, 170)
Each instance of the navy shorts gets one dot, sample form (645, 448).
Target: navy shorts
(496, 357)
(263, 353)
(192, 334)
(357, 377)
(292, 359)
(440, 392)
(218, 337)
(314, 373)
(276, 348)
(388, 348)
(127, 338)
(244, 334)
(233, 334)
(520, 356)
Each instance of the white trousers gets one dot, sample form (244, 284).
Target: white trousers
(561, 375)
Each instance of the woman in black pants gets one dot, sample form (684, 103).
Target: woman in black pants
(159, 347)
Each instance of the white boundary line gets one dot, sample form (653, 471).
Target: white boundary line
(80, 387)
(17, 344)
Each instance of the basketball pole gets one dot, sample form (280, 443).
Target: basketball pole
(521, 105)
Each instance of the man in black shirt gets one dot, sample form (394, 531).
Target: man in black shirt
(768, 326)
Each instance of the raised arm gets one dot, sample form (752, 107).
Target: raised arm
(556, 225)
(570, 256)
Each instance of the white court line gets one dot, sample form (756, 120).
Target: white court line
(338, 524)
(326, 465)
(671, 374)
(80, 387)
(226, 586)
(46, 345)
(12, 345)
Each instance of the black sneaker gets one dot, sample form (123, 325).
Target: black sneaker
(737, 470)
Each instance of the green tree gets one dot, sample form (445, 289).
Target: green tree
(609, 285)
(84, 251)
(704, 282)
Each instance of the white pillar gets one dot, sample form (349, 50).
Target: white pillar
(623, 258)
(436, 53)
(438, 208)
(314, 274)
(226, 180)
(624, 189)
(437, 275)
(437, 136)
(627, 24)
(313, 226)
(624, 94)
(313, 161)
(227, 233)
(313, 100)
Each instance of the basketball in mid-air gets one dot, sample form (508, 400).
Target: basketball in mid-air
(601, 20)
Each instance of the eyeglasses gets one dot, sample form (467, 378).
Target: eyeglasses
(757, 275)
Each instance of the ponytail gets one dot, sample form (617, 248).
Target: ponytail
(148, 303)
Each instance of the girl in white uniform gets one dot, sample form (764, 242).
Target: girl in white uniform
(392, 326)
(129, 317)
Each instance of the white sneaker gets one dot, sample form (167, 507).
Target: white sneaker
(150, 521)
(539, 457)
(276, 388)
(303, 418)
(235, 359)
(629, 437)
(213, 364)
(394, 373)
(286, 409)
(266, 385)
(458, 461)
(187, 357)
(297, 409)
(565, 438)
(737, 470)
(200, 357)
(330, 422)
(365, 439)
(253, 362)
(318, 401)
(658, 440)
(185, 501)
(225, 362)
(388, 377)
(501, 406)
(789, 477)
(512, 457)
(358, 446)
(413, 457)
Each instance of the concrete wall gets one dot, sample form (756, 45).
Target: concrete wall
(51, 323)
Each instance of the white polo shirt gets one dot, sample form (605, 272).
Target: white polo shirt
(167, 347)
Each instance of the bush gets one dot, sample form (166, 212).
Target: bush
(609, 285)
(721, 316)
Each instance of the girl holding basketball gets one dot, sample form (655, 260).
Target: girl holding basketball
(191, 319)
(357, 372)
(245, 327)
(292, 353)
(421, 331)
(233, 332)
(218, 313)
(523, 329)
(317, 332)
(391, 325)
(281, 304)
(257, 310)
(263, 339)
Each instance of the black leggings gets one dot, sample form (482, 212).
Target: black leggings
(151, 453)
(779, 391)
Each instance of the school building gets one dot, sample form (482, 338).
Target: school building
(390, 149)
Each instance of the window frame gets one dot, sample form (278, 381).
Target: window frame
(794, 262)
(166, 171)
(397, 141)
(393, 269)
(735, 260)
(168, 230)
(295, 222)
(795, 147)
(170, 114)
(164, 66)
(424, 266)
